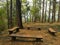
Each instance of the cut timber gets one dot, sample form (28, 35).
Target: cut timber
(25, 36)
(13, 29)
(13, 36)
(38, 28)
(52, 31)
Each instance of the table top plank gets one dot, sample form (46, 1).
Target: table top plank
(26, 36)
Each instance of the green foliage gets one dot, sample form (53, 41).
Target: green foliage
(24, 1)
(34, 11)
(57, 7)
(1, 11)
(2, 17)
(23, 9)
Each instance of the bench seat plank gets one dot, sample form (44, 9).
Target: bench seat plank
(51, 30)
(16, 29)
(38, 28)
(12, 29)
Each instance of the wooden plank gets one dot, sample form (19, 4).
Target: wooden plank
(38, 28)
(26, 36)
(12, 29)
(16, 29)
(52, 30)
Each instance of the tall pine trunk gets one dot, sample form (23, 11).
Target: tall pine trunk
(10, 16)
(19, 16)
(49, 11)
(54, 10)
(40, 10)
(43, 12)
(59, 12)
(8, 12)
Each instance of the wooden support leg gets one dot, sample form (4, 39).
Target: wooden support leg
(17, 30)
(13, 38)
(10, 32)
(28, 28)
(39, 29)
(53, 34)
(38, 40)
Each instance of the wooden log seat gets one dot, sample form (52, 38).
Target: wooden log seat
(38, 28)
(16, 29)
(14, 36)
(52, 31)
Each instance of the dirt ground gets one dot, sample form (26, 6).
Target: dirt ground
(48, 39)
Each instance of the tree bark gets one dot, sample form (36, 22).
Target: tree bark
(59, 12)
(10, 16)
(19, 16)
(43, 12)
(49, 11)
(54, 10)
(8, 12)
(40, 10)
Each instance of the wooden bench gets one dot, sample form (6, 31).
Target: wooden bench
(38, 38)
(52, 31)
(16, 29)
(33, 28)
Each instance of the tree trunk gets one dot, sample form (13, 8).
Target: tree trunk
(54, 10)
(49, 11)
(10, 16)
(19, 16)
(59, 12)
(30, 17)
(26, 16)
(40, 10)
(8, 12)
(43, 12)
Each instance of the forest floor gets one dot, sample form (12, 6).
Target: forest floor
(48, 39)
